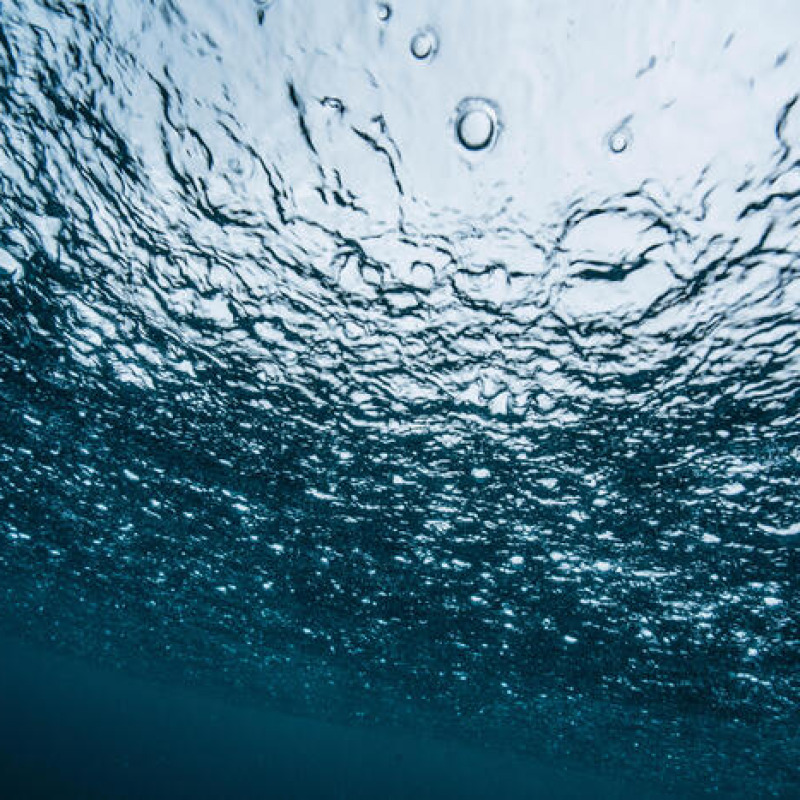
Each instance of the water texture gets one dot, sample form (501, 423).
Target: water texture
(431, 365)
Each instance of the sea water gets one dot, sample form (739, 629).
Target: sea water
(421, 376)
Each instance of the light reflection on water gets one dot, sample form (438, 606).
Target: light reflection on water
(448, 381)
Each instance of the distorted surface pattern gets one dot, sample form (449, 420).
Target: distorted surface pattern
(415, 366)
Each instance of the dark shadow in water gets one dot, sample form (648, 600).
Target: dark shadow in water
(72, 731)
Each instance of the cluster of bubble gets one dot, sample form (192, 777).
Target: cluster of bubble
(475, 122)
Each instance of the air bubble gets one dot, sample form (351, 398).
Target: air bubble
(424, 44)
(620, 140)
(476, 124)
(384, 12)
(334, 103)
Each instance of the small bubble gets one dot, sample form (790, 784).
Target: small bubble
(476, 124)
(424, 44)
(620, 140)
(478, 600)
(334, 103)
(480, 473)
(384, 12)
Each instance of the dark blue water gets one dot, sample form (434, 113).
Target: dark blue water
(423, 378)
(69, 730)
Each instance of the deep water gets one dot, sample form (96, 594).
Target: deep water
(420, 377)
(68, 730)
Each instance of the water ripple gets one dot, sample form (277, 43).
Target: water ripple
(306, 397)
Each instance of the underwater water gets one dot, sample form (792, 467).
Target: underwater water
(425, 369)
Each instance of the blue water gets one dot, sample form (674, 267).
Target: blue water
(420, 378)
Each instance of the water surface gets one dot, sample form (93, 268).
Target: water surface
(427, 366)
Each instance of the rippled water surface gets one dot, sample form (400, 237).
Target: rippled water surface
(421, 364)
